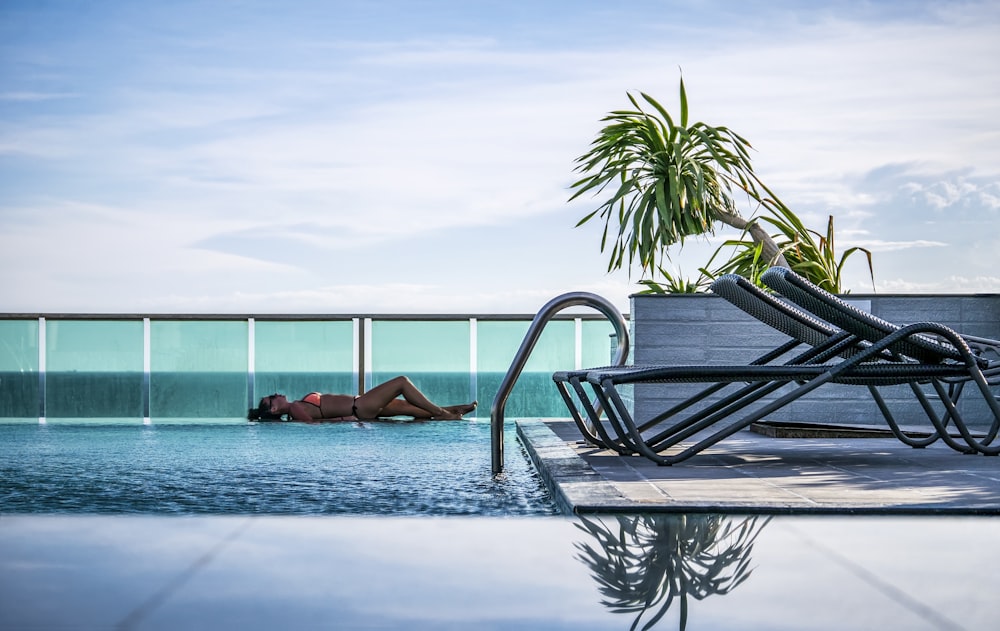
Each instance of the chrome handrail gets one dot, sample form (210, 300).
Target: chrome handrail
(544, 315)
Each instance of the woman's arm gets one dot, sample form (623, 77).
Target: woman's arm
(300, 412)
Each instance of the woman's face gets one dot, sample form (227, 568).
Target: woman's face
(275, 402)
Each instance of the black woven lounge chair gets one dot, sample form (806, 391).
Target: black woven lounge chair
(927, 343)
(618, 432)
(800, 325)
(733, 398)
(612, 434)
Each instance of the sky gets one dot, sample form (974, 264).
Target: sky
(390, 156)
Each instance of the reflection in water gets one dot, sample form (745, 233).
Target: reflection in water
(642, 563)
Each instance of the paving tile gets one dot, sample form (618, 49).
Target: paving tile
(752, 472)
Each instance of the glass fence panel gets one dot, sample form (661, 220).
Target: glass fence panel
(198, 369)
(599, 343)
(296, 358)
(93, 369)
(19, 370)
(534, 394)
(434, 355)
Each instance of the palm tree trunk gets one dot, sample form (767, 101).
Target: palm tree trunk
(769, 249)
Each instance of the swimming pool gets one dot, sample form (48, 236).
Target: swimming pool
(405, 468)
(259, 526)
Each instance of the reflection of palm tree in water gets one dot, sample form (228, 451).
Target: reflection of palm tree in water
(654, 559)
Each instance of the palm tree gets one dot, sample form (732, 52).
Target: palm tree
(672, 181)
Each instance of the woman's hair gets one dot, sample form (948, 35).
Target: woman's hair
(262, 412)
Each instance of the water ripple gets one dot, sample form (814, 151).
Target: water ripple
(376, 469)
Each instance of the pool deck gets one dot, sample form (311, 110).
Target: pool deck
(754, 473)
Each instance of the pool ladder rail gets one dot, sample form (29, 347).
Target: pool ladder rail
(542, 318)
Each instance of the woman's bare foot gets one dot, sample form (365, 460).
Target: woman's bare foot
(456, 412)
(462, 410)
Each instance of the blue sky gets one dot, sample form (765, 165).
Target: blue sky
(378, 157)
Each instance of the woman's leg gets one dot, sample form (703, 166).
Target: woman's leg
(399, 407)
(373, 402)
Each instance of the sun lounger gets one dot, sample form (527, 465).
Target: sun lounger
(611, 434)
(619, 433)
(926, 343)
(735, 394)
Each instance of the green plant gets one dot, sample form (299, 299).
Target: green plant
(674, 284)
(807, 252)
(670, 181)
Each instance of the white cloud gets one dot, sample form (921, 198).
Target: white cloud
(377, 147)
(958, 191)
(891, 246)
(36, 96)
(948, 285)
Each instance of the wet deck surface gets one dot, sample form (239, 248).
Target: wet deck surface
(753, 473)
(294, 572)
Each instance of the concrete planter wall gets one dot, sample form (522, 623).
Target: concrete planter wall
(706, 329)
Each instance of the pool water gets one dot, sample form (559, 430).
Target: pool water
(404, 468)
